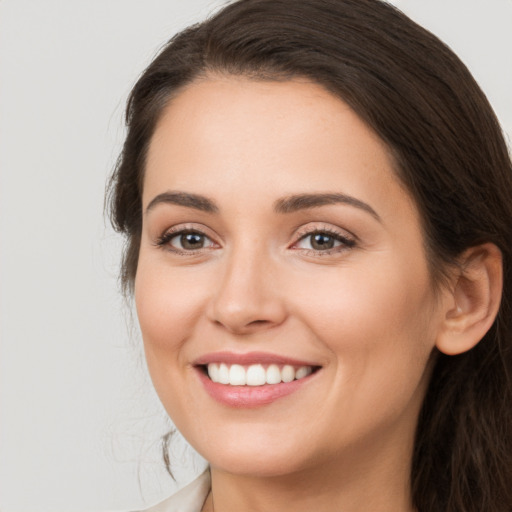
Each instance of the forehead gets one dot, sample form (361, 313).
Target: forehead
(227, 135)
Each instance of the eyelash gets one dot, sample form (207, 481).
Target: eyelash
(163, 241)
(345, 242)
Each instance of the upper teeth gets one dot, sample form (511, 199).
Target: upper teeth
(255, 374)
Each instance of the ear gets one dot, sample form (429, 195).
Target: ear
(474, 299)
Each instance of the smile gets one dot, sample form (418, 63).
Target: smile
(255, 374)
(254, 379)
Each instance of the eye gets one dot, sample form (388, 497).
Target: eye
(185, 241)
(324, 241)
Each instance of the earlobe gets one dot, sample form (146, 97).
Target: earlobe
(475, 300)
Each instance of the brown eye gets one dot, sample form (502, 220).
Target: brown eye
(321, 241)
(324, 241)
(187, 241)
(191, 241)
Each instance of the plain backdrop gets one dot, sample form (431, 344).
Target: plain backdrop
(80, 425)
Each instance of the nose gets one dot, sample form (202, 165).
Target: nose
(247, 299)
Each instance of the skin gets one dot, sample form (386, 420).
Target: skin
(366, 311)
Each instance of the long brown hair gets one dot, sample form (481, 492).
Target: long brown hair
(450, 155)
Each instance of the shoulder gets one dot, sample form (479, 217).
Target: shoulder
(188, 499)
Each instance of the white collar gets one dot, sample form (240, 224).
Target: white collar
(189, 499)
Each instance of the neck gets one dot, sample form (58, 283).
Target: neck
(375, 479)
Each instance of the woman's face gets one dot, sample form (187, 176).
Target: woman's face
(277, 244)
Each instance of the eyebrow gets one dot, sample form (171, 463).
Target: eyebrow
(305, 201)
(195, 201)
(284, 205)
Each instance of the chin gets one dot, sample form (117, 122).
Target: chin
(256, 456)
(256, 465)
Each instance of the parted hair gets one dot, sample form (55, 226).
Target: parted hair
(449, 153)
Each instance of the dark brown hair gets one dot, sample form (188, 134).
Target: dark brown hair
(450, 154)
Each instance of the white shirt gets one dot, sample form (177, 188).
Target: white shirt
(189, 499)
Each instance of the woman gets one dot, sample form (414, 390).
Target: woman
(317, 200)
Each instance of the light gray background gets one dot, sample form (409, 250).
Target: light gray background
(79, 423)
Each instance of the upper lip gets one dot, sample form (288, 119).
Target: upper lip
(249, 358)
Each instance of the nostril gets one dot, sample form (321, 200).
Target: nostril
(244, 328)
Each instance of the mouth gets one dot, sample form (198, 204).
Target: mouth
(255, 374)
(252, 380)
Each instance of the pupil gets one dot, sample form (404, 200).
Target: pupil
(321, 241)
(191, 241)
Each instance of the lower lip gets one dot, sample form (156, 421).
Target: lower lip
(250, 396)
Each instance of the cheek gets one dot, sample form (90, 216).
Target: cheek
(378, 327)
(373, 318)
(168, 304)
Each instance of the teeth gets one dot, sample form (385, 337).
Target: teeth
(237, 375)
(213, 372)
(273, 374)
(288, 373)
(255, 374)
(223, 374)
(302, 372)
